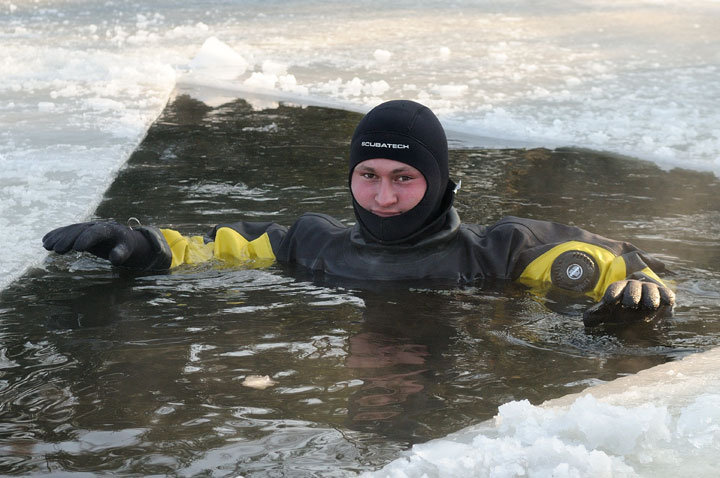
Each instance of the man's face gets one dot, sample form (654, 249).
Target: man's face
(386, 187)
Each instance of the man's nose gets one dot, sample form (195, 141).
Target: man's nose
(385, 195)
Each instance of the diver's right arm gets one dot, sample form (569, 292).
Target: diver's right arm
(152, 249)
(142, 248)
(236, 243)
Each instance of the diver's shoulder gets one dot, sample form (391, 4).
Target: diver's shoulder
(525, 224)
(507, 222)
(519, 221)
(318, 220)
(507, 226)
(553, 232)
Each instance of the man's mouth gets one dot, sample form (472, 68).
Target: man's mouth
(386, 213)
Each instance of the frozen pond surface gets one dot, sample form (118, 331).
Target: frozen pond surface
(104, 373)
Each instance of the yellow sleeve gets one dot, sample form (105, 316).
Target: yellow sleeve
(229, 246)
(611, 268)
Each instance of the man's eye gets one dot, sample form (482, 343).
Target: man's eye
(368, 175)
(402, 179)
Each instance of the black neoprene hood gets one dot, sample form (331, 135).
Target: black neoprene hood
(408, 132)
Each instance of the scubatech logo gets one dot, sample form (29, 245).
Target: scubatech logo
(385, 145)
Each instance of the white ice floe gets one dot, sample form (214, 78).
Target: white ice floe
(661, 422)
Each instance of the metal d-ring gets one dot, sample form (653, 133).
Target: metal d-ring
(133, 222)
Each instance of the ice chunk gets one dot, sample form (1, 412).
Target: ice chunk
(259, 382)
(260, 80)
(219, 60)
(450, 90)
(270, 67)
(382, 56)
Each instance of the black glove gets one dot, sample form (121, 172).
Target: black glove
(630, 300)
(140, 248)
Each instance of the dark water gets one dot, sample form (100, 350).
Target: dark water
(102, 373)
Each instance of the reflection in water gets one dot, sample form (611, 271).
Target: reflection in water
(105, 373)
(401, 345)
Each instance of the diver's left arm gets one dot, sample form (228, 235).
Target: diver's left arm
(622, 278)
(631, 299)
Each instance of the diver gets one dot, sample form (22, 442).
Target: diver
(407, 228)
